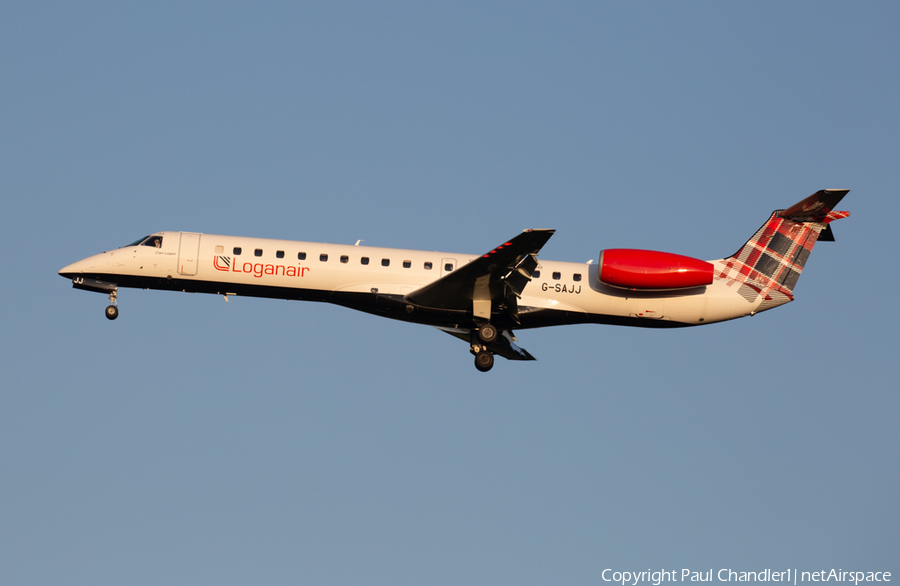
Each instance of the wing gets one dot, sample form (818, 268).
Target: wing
(498, 275)
(504, 345)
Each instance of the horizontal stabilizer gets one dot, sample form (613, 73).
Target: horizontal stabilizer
(816, 207)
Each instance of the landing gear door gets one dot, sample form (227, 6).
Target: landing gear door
(188, 250)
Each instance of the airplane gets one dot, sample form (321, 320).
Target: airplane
(480, 299)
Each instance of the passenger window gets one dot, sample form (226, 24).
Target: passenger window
(576, 276)
(556, 276)
(301, 256)
(220, 249)
(345, 259)
(279, 254)
(323, 258)
(257, 252)
(407, 264)
(364, 260)
(385, 262)
(237, 251)
(428, 266)
(448, 267)
(154, 241)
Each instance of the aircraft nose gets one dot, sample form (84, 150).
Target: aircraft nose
(75, 269)
(68, 271)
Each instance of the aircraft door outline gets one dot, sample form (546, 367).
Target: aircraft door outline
(188, 251)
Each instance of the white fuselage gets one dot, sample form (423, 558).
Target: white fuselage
(376, 280)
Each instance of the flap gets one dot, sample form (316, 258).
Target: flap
(485, 278)
(504, 345)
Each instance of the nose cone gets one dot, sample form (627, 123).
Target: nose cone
(79, 268)
(71, 271)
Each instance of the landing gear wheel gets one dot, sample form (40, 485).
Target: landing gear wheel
(487, 333)
(112, 311)
(484, 360)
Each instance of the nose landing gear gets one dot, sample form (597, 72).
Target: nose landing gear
(112, 310)
(98, 286)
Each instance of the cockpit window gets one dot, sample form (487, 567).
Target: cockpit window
(136, 242)
(154, 241)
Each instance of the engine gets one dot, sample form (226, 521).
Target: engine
(651, 270)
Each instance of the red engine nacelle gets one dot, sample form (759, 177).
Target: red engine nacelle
(649, 269)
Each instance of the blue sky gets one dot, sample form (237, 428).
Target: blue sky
(194, 441)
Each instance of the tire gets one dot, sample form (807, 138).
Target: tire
(487, 333)
(112, 312)
(484, 361)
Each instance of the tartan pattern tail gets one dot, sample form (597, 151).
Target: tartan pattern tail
(770, 263)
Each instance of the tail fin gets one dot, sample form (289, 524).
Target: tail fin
(770, 263)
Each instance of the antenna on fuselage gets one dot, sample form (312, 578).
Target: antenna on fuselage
(358, 241)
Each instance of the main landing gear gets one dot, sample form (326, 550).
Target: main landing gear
(487, 333)
(484, 360)
(484, 336)
(112, 310)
